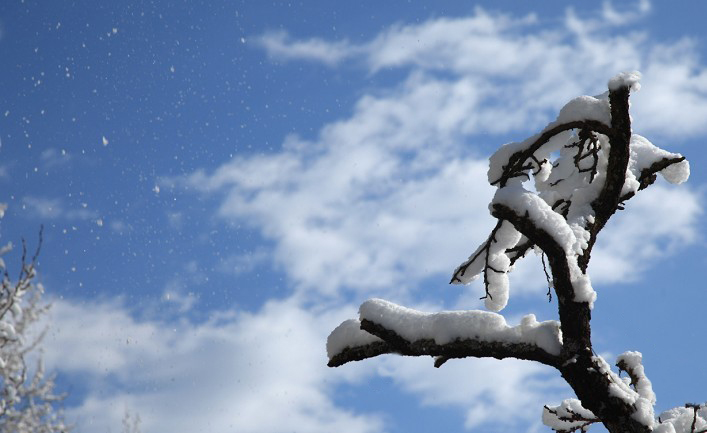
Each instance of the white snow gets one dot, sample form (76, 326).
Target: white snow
(448, 326)
(643, 155)
(584, 108)
(677, 173)
(567, 409)
(527, 203)
(581, 283)
(679, 420)
(578, 109)
(474, 266)
(620, 389)
(348, 334)
(500, 158)
(567, 182)
(632, 80)
(634, 363)
(7, 331)
(498, 285)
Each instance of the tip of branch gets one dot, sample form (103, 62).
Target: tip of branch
(440, 360)
(632, 80)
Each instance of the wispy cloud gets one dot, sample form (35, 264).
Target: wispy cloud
(612, 16)
(52, 158)
(397, 193)
(55, 208)
(668, 220)
(368, 209)
(248, 372)
(245, 262)
(527, 67)
(259, 372)
(280, 45)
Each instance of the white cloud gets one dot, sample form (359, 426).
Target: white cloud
(526, 66)
(505, 393)
(612, 16)
(260, 372)
(52, 158)
(175, 295)
(655, 223)
(397, 192)
(279, 44)
(43, 207)
(55, 208)
(241, 263)
(381, 200)
(246, 372)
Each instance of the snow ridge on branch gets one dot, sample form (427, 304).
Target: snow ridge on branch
(385, 327)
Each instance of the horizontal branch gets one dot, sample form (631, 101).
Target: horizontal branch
(649, 174)
(462, 348)
(359, 353)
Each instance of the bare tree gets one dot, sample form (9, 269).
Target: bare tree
(27, 397)
(585, 166)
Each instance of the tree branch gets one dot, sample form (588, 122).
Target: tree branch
(517, 161)
(609, 199)
(649, 175)
(461, 348)
(359, 353)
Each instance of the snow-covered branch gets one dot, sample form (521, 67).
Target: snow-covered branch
(632, 364)
(691, 418)
(384, 327)
(569, 416)
(493, 260)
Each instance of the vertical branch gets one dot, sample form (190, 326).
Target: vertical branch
(609, 198)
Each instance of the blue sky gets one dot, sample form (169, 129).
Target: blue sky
(222, 183)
